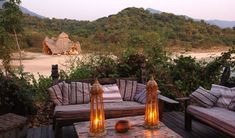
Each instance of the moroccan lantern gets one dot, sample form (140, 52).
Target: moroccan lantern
(97, 118)
(151, 119)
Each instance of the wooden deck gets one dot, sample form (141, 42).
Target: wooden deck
(174, 120)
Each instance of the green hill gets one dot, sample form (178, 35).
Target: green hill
(132, 27)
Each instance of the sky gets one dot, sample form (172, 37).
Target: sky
(94, 9)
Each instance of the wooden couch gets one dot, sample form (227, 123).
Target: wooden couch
(65, 115)
(219, 118)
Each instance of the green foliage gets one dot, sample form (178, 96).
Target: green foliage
(5, 48)
(10, 23)
(11, 16)
(16, 94)
(91, 66)
(130, 64)
(186, 74)
(40, 86)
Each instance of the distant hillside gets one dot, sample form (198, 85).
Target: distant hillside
(220, 23)
(24, 10)
(153, 10)
(131, 27)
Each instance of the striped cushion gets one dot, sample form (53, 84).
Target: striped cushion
(141, 97)
(111, 93)
(232, 104)
(127, 89)
(204, 97)
(77, 93)
(55, 93)
(66, 90)
(139, 88)
(226, 95)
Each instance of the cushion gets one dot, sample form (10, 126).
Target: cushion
(127, 89)
(141, 97)
(55, 93)
(218, 117)
(77, 92)
(111, 93)
(139, 88)
(231, 106)
(204, 97)
(112, 110)
(65, 91)
(226, 95)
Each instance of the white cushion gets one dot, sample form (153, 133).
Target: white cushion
(111, 93)
(226, 95)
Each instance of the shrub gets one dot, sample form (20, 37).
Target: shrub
(90, 67)
(129, 64)
(185, 73)
(17, 95)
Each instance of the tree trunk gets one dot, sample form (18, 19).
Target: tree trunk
(18, 46)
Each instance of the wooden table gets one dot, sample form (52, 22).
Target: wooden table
(137, 130)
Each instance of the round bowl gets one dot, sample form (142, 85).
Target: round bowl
(122, 126)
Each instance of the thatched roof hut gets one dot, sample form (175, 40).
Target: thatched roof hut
(61, 45)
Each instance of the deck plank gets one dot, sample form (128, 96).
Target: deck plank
(173, 120)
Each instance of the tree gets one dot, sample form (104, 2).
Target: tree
(5, 48)
(10, 24)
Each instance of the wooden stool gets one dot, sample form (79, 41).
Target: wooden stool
(12, 126)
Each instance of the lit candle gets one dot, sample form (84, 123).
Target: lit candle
(96, 122)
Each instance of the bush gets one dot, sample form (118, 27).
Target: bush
(129, 64)
(17, 95)
(185, 73)
(90, 67)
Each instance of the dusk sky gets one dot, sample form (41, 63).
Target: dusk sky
(94, 9)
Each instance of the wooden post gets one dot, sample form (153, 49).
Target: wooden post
(143, 71)
(187, 117)
(225, 76)
(55, 73)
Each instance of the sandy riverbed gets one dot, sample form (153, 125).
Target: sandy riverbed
(39, 63)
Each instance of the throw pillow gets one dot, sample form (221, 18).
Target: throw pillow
(77, 93)
(55, 93)
(111, 93)
(204, 97)
(139, 88)
(226, 95)
(127, 89)
(141, 97)
(231, 106)
(65, 91)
